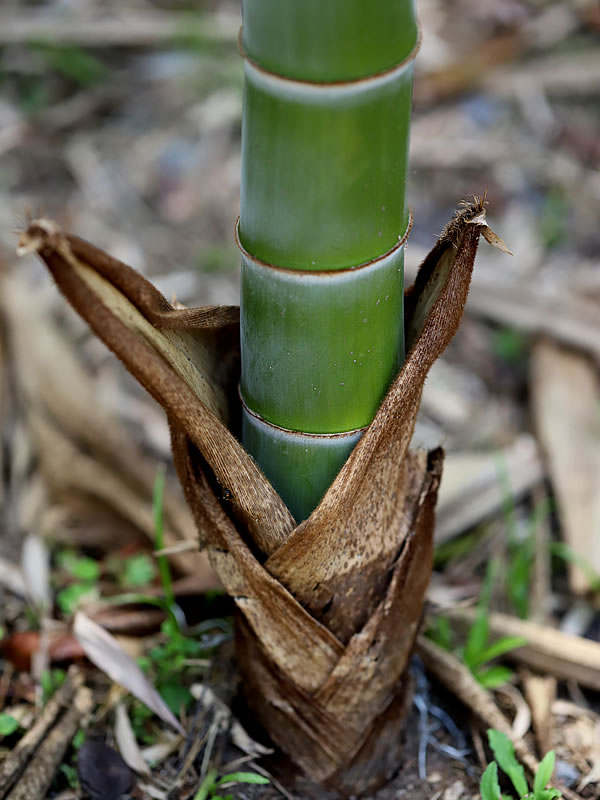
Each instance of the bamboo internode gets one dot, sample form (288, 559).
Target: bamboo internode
(322, 225)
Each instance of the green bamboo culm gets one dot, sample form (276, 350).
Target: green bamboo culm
(323, 221)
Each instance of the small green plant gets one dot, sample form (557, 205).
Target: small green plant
(8, 724)
(67, 774)
(72, 62)
(461, 546)
(478, 651)
(211, 784)
(78, 739)
(132, 572)
(159, 536)
(217, 258)
(504, 755)
(80, 567)
(520, 545)
(34, 95)
(509, 345)
(70, 774)
(167, 661)
(181, 648)
(85, 570)
(50, 681)
(440, 632)
(554, 217)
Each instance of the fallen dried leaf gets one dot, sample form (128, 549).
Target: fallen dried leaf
(104, 652)
(540, 692)
(565, 397)
(521, 718)
(493, 239)
(240, 738)
(35, 563)
(126, 741)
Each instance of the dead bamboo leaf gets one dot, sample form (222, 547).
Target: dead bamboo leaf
(465, 73)
(540, 693)
(126, 741)
(104, 652)
(493, 239)
(566, 398)
(539, 596)
(21, 648)
(125, 28)
(127, 621)
(576, 737)
(555, 75)
(35, 563)
(358, 528)
(156, 343)
(155, 754)
(207, 697)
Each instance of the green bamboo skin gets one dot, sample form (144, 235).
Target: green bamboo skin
(325, 134)
(316, 40)
(316, 460)
(337, 157)
(320, 349)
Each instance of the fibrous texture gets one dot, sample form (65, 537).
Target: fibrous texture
(329, 609)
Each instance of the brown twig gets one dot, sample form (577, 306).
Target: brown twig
(31, 765)
(460, 681)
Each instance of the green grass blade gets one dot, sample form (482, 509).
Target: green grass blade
(242, 777)
(159, 535)
(504, 753)
(500, 647)
(489, 786)
(493, 677)
(543, 774)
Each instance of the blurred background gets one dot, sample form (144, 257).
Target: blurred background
(122, 122)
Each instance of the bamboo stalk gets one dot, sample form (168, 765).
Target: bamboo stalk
(322, 226)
